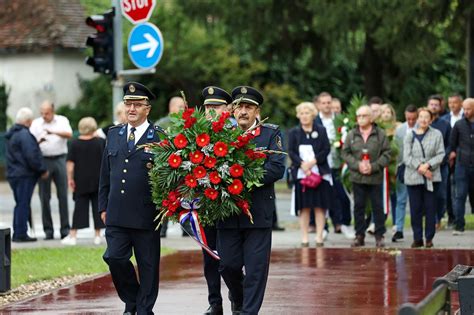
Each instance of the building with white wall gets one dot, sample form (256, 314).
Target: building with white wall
(42, 46)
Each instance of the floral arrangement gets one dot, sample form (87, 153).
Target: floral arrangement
(204, 168)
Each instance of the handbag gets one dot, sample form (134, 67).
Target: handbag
(311, 181)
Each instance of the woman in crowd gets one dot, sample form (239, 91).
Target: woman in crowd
(308, 149)
(83, 169)
(423, 152)
(388, 118)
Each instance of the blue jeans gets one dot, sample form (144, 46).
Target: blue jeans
(442, 193)
(22, 191)
(463, 175)
(401, 208)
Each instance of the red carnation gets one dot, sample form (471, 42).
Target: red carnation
(188, 113)
(217, 126)
(250, 154)
(163, 143)
(235, 187)
(188, 123)
(224, 116)
(259, 155)
(220, 149)
(174, 206)
(202, 140)
(243, 204)
(190, 181)
(174, 160)
(214, 178)
(165, 203)
(199, 172)
(180, 141)
(210, 161)
(211, 193)
(196, 157)
(236, 170)
(173, 195)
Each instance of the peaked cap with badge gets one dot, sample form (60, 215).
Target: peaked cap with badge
(247, 95)
(214, 95)
(137, 91)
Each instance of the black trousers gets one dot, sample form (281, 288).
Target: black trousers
(362, 193)
(422, 204)
(249, 248)
(211, 269)
(138, 295)
(80, 217)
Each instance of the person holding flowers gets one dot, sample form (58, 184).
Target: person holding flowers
(242, 243)
(215, 103)
(126, 206)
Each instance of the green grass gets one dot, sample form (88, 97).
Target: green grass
(31, 265)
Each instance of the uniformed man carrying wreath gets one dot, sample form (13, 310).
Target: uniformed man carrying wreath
(215, 99)
(126, 205)
(239, 242)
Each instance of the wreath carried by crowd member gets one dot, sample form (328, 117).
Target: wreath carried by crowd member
(204, 170)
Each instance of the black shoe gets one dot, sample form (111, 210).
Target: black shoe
(24, 239)
(49, 237)
(278, 228)
(215, 309)
(397, 236)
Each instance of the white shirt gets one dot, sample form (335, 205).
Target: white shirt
(53, 144)
(328, 123)
(139, 131)
(455, 118)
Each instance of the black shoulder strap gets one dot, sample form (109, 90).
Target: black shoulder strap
(421, 144)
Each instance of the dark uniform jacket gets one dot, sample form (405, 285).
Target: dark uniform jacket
(124, 188)
(263, 198)
(24, 158)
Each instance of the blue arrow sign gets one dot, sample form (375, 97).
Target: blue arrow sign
(145, 45)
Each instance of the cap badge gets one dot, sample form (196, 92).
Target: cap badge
(210, 91)
(132, 88)
(243, 90)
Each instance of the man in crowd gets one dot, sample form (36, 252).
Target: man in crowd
(375, 104)
(241, 243)
(340, 212)
(462, 150)
(435, 107)
(455, 114)
(215, 100)
(126, 206)
(336, 106)
(25, 165)
(411, 115)
(366, 152)
(175, 105)
(52, 132)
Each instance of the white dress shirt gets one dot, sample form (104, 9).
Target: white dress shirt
(139, 131)
(52, 145)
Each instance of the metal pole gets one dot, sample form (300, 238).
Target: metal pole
(470, 56)
(118, 83)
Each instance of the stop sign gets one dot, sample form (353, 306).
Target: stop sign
(137, 11)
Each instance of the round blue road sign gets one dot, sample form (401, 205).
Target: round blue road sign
(145, 45)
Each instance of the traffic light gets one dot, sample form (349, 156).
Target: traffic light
(102, 42)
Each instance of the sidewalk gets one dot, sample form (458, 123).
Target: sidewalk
(290, 238)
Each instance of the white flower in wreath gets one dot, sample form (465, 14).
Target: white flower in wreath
(204, 181)
(346, 120)
(223, 170)
(186, 165)
(344, 130)
(343, 137)
(337, 144)
(207, 149)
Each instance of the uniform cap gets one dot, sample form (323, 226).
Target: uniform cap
(248, 95)
(137, 91)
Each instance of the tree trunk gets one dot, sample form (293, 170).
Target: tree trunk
(371, 66)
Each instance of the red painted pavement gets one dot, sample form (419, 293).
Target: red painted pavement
(301, 281)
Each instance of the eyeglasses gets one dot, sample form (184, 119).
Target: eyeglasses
(135, 104)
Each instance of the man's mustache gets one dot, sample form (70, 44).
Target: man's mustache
(243, 116)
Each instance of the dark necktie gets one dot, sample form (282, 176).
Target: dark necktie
(131, 140)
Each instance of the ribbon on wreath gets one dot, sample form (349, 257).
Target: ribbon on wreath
(191, 214)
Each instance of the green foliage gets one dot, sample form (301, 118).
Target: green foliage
(293, 50)
(4, 92)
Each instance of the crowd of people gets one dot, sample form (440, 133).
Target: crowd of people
(434, 164)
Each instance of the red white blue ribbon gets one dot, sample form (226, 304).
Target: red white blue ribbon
(191, 214)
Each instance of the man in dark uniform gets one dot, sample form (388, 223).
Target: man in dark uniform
(126, 205)
(239, 242)
(215, 99)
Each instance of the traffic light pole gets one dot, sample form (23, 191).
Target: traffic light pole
(118, 81)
